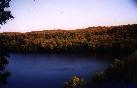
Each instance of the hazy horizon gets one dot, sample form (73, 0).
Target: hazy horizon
(40, 15)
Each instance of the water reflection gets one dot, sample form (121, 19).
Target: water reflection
(4, 74)
(51, 70)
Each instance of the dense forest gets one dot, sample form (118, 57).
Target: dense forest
(91, 39)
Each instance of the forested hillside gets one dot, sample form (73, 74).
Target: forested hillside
(91, 39)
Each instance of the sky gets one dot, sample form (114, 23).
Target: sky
(37, 15)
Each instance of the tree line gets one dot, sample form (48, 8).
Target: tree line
(91, 39)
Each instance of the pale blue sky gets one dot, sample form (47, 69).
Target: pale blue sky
(69, 14)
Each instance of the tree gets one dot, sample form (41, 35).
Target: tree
(4, 16)
(4, 13)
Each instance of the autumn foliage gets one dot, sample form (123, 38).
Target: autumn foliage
(91, 39)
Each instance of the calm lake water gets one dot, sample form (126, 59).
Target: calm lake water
(50, 70)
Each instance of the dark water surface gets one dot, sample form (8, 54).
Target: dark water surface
(50, 70)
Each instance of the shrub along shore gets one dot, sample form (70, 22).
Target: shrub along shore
(124, 70)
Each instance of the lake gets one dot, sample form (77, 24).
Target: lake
(51, 70)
